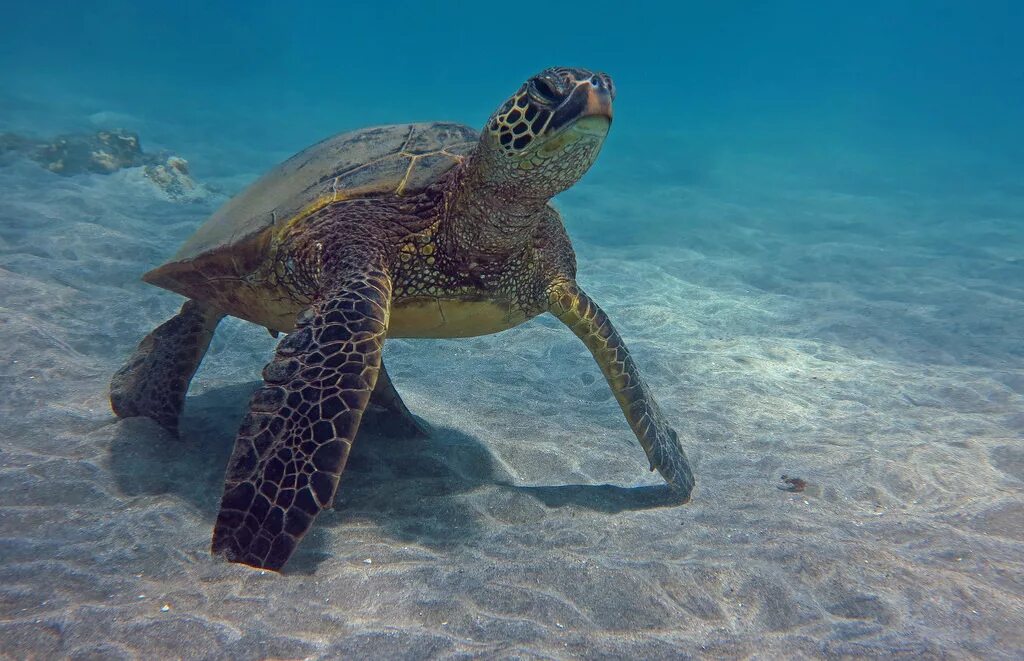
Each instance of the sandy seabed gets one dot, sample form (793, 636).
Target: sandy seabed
(863, 338)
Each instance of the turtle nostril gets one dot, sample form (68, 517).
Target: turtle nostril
(607, 84)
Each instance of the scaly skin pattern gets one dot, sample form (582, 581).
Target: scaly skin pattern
(589, 322)
(293, 445)
(479, 251)
(154, 380)
(424, 261)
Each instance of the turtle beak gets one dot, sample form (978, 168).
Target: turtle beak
(589, 107)
(597, 116)
(599, 99)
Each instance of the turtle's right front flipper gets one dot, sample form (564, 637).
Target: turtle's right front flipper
(293, 444)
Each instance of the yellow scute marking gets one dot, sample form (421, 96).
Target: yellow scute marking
(310, 209)
(432, 317)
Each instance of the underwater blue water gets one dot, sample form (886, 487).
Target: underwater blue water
(807, 222)
(783, 75)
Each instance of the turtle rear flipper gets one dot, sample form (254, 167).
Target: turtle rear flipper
(292, 446)
(154, 380)
(387, 413)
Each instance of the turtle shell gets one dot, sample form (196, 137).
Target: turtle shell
(400, 159)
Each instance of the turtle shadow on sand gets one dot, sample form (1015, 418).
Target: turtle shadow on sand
(409, 487)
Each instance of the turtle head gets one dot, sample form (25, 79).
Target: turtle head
(548, 134)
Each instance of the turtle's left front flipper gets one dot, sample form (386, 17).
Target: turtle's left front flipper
(589, 322)
(293, 444)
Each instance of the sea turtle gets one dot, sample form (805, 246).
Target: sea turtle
(412, 230)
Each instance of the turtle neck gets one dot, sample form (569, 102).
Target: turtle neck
(489, 213)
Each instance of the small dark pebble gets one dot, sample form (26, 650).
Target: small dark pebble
(793, 484)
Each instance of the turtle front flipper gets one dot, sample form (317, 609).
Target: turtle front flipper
(388, 414)
(154, 380)
(589, 322)
(292, 446)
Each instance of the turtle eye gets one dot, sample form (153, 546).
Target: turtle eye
(544, 91)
